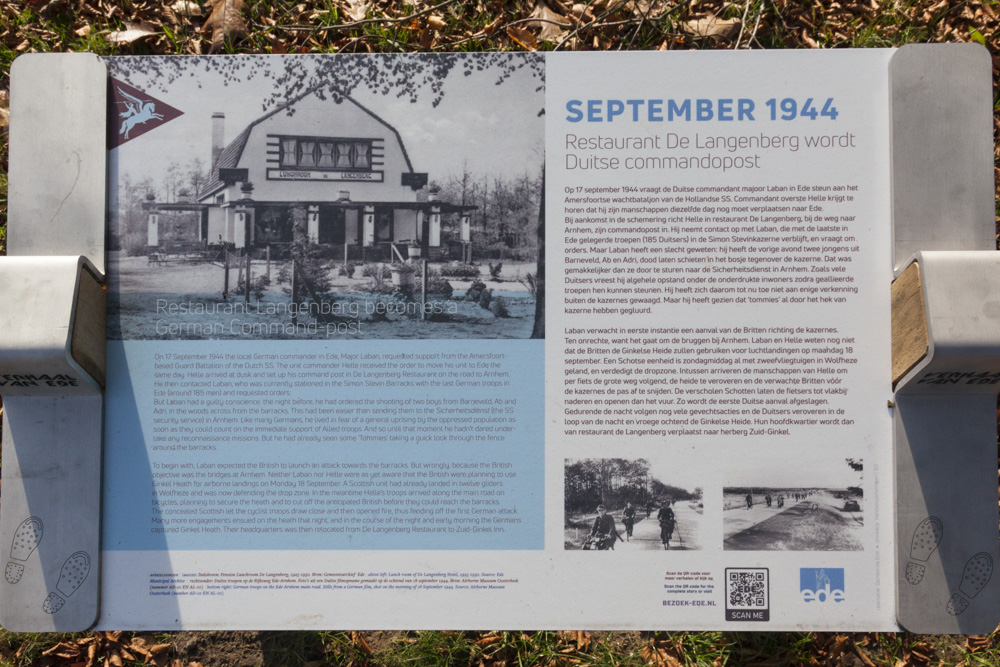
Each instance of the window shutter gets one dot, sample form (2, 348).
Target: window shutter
(307, 157)
(289, 158)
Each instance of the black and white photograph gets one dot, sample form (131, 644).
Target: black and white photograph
(808, 505)
(631, 505)
(320, 196)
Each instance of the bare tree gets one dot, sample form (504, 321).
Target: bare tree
(128, 220)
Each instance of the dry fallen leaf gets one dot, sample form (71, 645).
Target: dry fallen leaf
(546, 19)
(841, 644)
(864, 656)
(492, 27)
(132, 32)
(487, 640)
(436, 22)
(63, 650)
(226, 22)
(583, 12)
(522, 37)
(82, 32)
(276, 45)
(186, 8)
(141, 644)
(659, 657)
(360, 643)
(428, 38)
(356, 10)
(975, 643)
(160, 659)
(712, 26)
(639, 8)
(920, 653)
(581, 638)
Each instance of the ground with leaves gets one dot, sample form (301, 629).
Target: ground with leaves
(375, 26)
(496, 649)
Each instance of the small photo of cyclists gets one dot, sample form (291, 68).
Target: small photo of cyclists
(629, 505)
(795, 508)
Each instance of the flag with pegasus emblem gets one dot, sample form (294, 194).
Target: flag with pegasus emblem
(134, 113)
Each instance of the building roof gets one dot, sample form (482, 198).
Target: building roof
(230, 156)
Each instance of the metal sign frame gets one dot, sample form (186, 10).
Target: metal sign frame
(946, 518)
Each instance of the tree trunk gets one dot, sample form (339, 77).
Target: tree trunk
(538, 331)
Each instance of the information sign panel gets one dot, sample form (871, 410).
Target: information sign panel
(313, 399)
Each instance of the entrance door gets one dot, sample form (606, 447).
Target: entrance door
(332, 225)
(384, 231)
(273, 224)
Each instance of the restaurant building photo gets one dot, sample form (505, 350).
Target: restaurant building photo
(320, 196)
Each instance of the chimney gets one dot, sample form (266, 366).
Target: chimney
(218, 135)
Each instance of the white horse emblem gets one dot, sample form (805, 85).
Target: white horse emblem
(138, 113)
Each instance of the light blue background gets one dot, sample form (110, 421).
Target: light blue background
(128, 485)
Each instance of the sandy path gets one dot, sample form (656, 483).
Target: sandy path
(817, 524)
(646, 533)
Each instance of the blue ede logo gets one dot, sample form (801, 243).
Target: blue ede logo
(821, 584)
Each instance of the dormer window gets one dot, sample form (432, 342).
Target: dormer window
(325, 153)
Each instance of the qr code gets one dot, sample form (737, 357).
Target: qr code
(746, 588)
